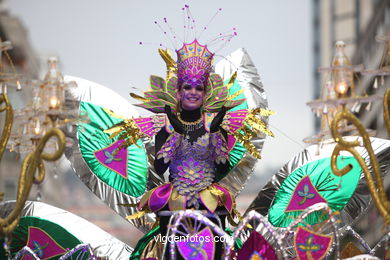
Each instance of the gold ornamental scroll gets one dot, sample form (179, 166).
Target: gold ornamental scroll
(374, 180)
(32, 163)
(5, 106)
(386, 115)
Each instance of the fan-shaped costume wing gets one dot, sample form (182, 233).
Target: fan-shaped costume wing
(116, 173)
(51, 232)
(307, 179)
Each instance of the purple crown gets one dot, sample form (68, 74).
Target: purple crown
(194, 63)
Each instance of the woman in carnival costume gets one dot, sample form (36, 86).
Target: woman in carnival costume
(198, 123)
(194, 137)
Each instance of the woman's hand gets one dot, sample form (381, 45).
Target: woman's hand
(217, 121)
(174, 120)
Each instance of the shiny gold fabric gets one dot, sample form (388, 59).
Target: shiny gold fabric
(211, 198)
(154, 249)
(350, 250)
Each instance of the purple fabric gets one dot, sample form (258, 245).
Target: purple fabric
(169, 149)
(147, 125)
(309, 245)
(236, 119)
(231, 142)
(221, 154)
(256, 244)
(117, 162)
(192, 168)
(160, 197)
(194, 63)
(197, 247)
(304, 195)
(42, 244)
(191, 172)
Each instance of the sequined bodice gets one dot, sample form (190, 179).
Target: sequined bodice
(192, 168)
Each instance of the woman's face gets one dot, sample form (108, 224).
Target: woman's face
(191, 97)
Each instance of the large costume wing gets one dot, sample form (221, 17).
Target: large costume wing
(51, 232)
(246, 86)
(118, 175)
(307, 179)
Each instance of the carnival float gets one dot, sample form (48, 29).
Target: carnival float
(175, 174)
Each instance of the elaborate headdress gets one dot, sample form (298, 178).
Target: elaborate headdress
(193, 67)
(194, 63)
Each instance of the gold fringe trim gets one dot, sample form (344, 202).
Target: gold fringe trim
(133, 205)
(232, 80)
(251, 127)
(136, 215)
(113, 114)
(236, 94)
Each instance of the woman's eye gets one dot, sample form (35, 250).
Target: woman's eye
(200, 88)
(187, 87)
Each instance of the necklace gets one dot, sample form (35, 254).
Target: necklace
(191, 126)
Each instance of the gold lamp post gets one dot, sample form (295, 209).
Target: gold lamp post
(374, 179)
(338, 94)
(5, 105)
(40, 123)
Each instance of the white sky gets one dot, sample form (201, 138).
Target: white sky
(98, 40)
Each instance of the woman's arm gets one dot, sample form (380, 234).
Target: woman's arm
(168, 142)
(159, 165)
(222, 159)
(219, 139)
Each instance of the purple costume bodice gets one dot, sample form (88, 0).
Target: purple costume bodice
(192, 165)
(192, 168)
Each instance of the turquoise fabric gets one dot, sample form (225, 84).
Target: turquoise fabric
(324, 181)
(238, 151)
(233, 89)
(92, 138)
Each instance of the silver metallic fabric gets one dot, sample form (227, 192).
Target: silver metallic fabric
(26, 252)
(84, 248)
(360, 200)
(99, 95)
(381, 248)
(249, 79)
(254, 221)
(363, 257)
(350, 235)
(102, 243)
